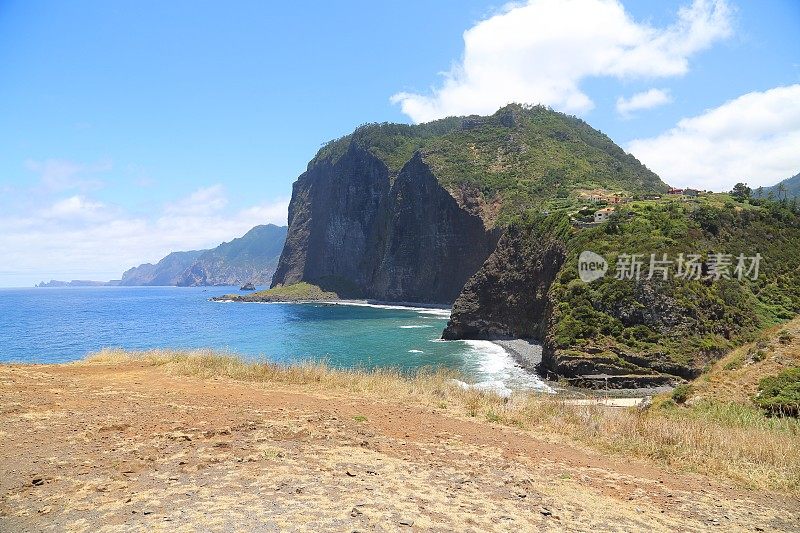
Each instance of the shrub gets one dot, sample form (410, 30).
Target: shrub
(780, 394)
(733, 364)
(681, 393)
(784, 337)
(755, 354)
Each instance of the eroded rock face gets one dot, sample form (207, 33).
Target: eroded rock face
(337, 223)
(356, 231)
(508, 296)
(433, 246)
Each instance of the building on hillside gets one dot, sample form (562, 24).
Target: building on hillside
(616, 198)
(601, 215)
(675, 192)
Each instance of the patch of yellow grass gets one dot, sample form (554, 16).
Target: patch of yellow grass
(756, 453)
(390, 383)
(735, 377)
(728, 440)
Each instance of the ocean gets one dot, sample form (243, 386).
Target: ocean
(56, 325)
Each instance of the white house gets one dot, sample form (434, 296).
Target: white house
(601, 215)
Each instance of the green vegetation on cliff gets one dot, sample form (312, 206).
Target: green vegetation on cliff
(676, 325)
(515, 159)
(650, 328)
(376, 206)
(780, 394)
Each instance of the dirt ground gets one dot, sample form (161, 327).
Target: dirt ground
(130, 447)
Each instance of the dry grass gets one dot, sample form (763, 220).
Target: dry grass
(727, 440)
(756, 453)
(735, 377)
(390, 383)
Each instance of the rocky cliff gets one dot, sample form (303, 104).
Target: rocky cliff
(482, 211)
(623, 333)
(509, 295)
(409, 213)
(360, 232)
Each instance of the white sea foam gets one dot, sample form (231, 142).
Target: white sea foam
(437, 313)
(415, 351)
(496, 386)
(422, 310)
(493, 358)
(415, 326)
(497, 370)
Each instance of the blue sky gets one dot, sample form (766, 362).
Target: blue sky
(131, 129)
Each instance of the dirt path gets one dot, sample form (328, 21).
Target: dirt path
(108, 448)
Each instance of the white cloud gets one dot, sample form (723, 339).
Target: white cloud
(58, 174)
(74, 207)
(204, 200)
(644, 100)
(79, 238)
(754, 138)
(539, 52)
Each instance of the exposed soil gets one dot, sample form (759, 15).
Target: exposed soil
(130, 447)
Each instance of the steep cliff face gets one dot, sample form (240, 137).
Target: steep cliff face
(622, 332)
(409, 212)
(433, 245)
(508, 296)
(358, 231)
(337, 217)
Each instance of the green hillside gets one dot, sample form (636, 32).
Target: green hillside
(678, 323)
(791, 189)
(512, 160)
(249, 258)
(624, 328)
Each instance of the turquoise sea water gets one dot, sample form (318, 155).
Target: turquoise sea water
(50, 325)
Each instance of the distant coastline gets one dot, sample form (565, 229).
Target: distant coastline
(77, 283)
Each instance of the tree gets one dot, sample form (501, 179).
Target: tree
(782, 192)
(741, 192)
(760, 192)
(612, 226)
